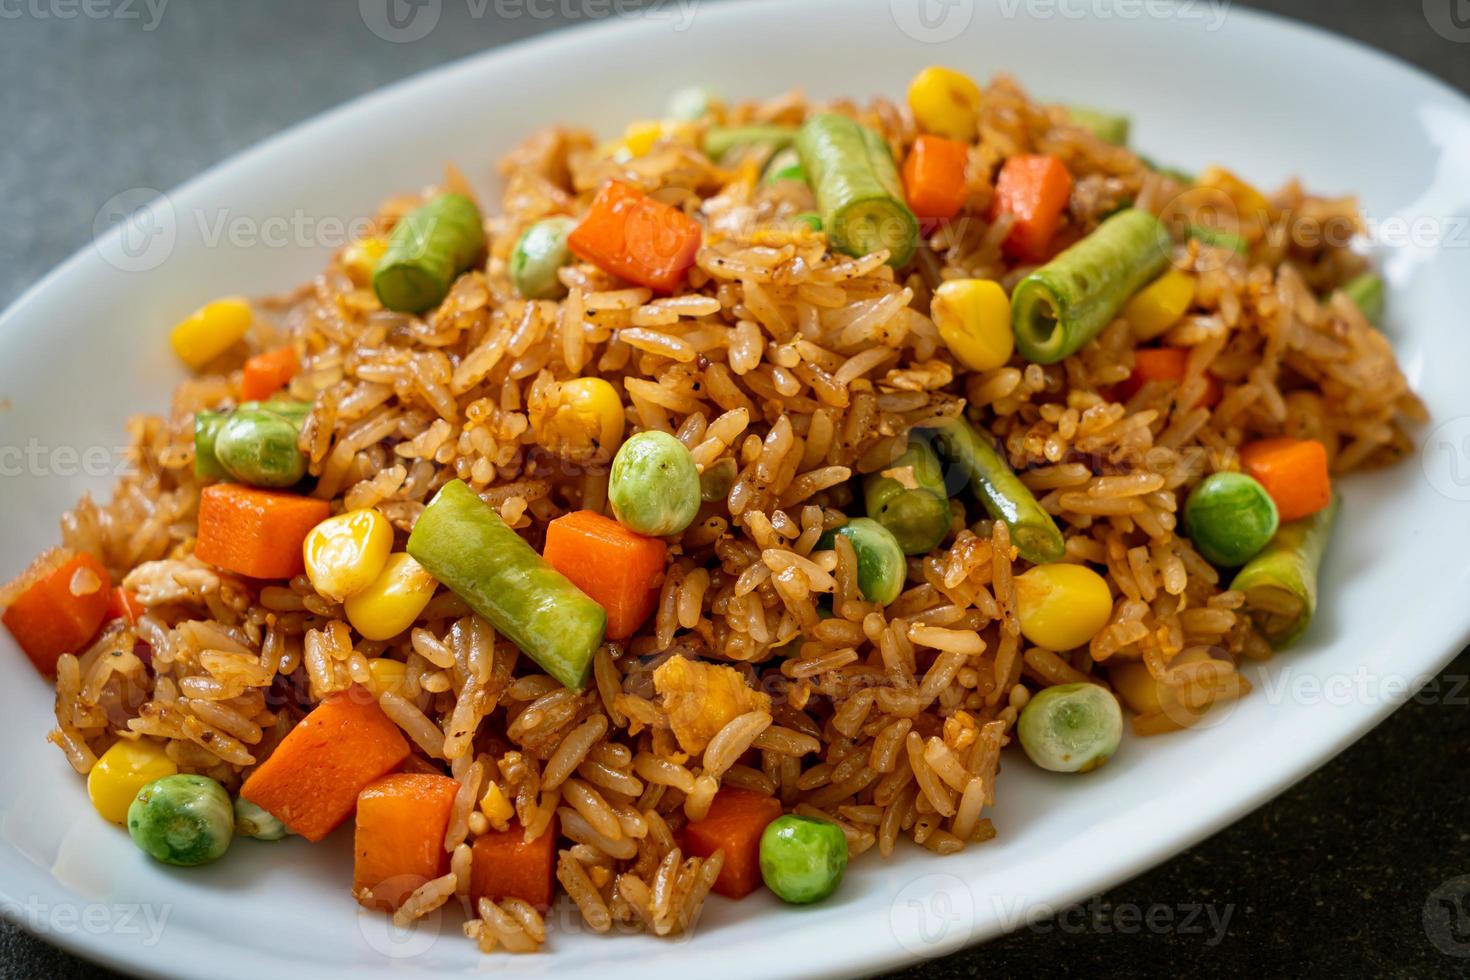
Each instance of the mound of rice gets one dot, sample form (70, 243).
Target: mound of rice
(804, 369)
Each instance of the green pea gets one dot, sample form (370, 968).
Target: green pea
(538, 254)
(882, 569)
(717, 479)
(1229, 517)
(260, 448)
(654, 485)
(916, 510)
(1071, 727)
(206, 430)
(802, 859)
(182, 819)
(783, 165)
(254, 821)
(288, 408)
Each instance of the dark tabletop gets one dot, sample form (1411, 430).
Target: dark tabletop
(1361, 869)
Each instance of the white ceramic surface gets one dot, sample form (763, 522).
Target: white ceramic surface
(87, 346)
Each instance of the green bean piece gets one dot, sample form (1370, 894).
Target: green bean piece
(783, 165)
(182, 819)
(1366, 291)
(1060, 307)
(1071, 727)
(915, 509)
(882, 569)
(859, 195)
(722, 139)
(693, 102)
(1215, 238)
(1174, 173)
(1229, 517)
(428, 248)
(802, 858)
(1000, 492)
(654, 485)
(717, 479)
(206, 430)
(538, 254)
(1280, 583)
(1106, 126)
(254, 821)
(260, 448)
(464, 544)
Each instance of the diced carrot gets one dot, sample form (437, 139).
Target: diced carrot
(504, 865)
(61, 601)
(256, 532)
(311, 781)
(268, 372)
(1293, 471)
(620, 569)
(636, 237)
(735, 822)
(123, 604)
(1163, 364)
(1034, 190)
(398, 842)
(934, 177)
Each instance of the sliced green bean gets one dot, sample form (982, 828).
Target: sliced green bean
(427, 249)
(915, 509)
(1004, 497)
(1366, 290)
(881, 570)
(1106, 126)
(722, 139)
(464, 544)
(783, 165)
(1060, 307)
(538, 254)
(859, 195)
(1280, 583)
(1216, 238)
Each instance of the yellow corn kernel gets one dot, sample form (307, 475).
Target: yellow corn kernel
(393, 600)
(496, 807)
(1159, 305)
(123, 770)
(361, 258)
(946, 103)
(387, 675)
(346, 553)
(1133, 683)
(211, 330)
(1062, 606)
(583, 418)
(1245, 197)
(639, 137)
(974, 321)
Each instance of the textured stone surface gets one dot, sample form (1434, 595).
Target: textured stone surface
(1331, 878)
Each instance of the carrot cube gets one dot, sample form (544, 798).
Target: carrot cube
(256, 532)
(620, 569)
(735, 822)
(398, 842)
(504, 865)
(312, 780)
(63, 601)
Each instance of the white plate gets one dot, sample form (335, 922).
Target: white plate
(88, 346)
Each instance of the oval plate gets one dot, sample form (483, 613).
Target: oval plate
(88, 346)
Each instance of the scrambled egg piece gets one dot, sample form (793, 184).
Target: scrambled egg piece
(701, 698)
